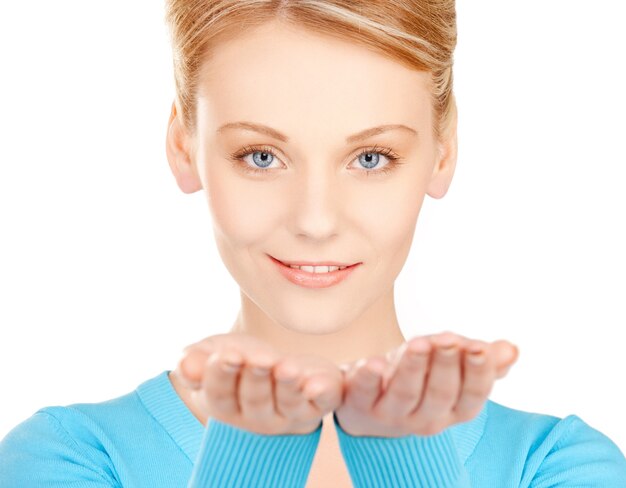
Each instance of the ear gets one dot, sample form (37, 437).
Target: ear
(179, 157)
(446, 161)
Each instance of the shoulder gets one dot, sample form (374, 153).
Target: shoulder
(45, 447)
(542, 429)
(69, 443)
(513, 422)
(556, 449)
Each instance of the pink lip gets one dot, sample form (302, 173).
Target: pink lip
(311, 263)
(314, 280)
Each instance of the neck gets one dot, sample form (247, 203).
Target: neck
(374, 333)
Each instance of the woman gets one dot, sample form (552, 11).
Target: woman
(316, 129)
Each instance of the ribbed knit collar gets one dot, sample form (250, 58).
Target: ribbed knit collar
(161, 400)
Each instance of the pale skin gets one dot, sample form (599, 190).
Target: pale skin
(421, 388)
(315, 202)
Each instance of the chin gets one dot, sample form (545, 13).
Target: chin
(313, 323)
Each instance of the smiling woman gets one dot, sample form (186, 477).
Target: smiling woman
(315, 129)
(315, 179)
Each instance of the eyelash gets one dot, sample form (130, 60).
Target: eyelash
(393, 158)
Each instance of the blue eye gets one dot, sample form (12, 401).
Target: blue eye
(374, 157)
(262, 157)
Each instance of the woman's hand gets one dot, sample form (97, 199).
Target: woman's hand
(243, 381)
(423, 387)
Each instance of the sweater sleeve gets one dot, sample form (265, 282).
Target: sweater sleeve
(40, 452)
(233, 457)
(575, 454)
(424, 461)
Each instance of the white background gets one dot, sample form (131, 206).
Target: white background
(107, 270)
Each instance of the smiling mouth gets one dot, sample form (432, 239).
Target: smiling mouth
(317, 276)
(313, 264)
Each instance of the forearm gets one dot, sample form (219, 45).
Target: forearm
(408, 461)
(233, 457)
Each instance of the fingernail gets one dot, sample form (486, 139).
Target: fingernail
(260, 371)
(231, 363)
(448, 345)
(449, 350)
(418, 348)
(286, 381)
(286, 373)
(375, 369)
(445, 340)
(231, 368)
(287, 377)
(475, 348)
(477, 358)
(360, 363)
(313, 390)
(373, 374)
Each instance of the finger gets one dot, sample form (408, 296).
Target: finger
(323, 393)
(190, 367)
(219, 383)
(393, 356)
(364, 382)
(404, 390)
(256, 397)
(479, 373)
(504, 352)
(506, 355)
(443, 380)
(290, 401)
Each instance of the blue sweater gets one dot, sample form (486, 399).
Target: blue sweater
(149, 439)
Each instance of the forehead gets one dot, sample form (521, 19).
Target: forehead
(298, 75)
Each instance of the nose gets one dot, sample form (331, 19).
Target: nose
(316, 202)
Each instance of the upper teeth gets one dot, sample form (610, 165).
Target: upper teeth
(318, 269)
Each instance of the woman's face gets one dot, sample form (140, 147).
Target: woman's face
(315, 199)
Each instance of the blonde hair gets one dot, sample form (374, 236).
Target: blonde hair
(421, 34)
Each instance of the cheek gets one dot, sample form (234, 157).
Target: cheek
(243, 212)
(248, 212)
(389, 216)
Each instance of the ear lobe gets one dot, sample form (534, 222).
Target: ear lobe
(177, 143)
(445, 164)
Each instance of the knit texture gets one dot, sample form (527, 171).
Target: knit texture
(148, 438)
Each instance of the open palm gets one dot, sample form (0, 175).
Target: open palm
(425, 386)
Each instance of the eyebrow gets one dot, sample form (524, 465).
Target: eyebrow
(264, 129)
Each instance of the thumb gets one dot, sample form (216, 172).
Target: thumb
(507, 355)
(190, 368)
